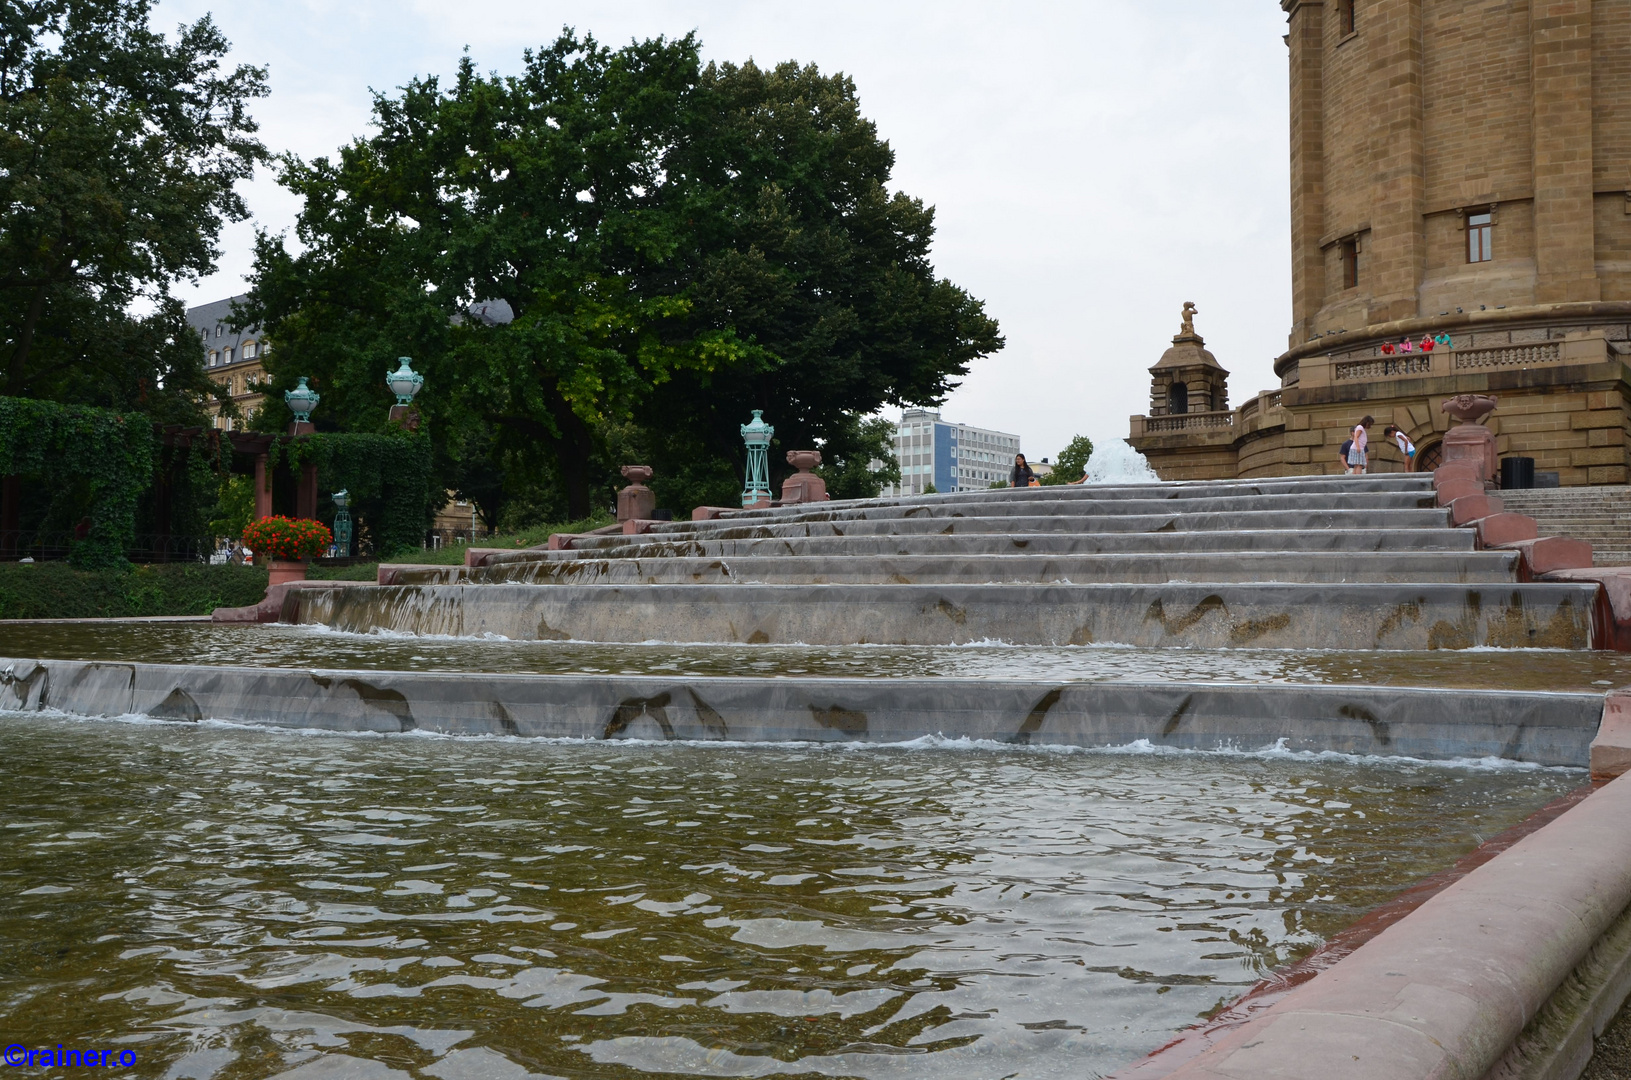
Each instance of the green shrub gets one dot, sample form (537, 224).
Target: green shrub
(58, 591)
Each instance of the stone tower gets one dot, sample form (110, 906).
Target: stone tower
(1456, 154)
(1460, 224)
(1188, 378)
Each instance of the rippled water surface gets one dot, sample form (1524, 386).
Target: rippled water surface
(237, 904)
(315, 647)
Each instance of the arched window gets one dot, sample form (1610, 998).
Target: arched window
(215, 358)
(226, 355)
(248, 350)
(1178, 398)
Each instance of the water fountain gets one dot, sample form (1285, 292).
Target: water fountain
(1215, 708)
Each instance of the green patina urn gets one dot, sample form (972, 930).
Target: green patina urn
(404, 381)
(301, 401)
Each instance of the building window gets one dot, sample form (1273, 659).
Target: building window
(226, 355)
(217, 329)
(215, 358)
(249, 350)
(1177, 399)
(1348, 251)
(1479, 228)
(1345, 17)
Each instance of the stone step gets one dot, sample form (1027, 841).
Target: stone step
(1084, 507)
(1155, 489)
(1541, 728)
(1484, 567)
(1133, 523)
(1280, 616)
(1352, 540)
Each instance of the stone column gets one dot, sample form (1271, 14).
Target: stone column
(1396, 251)
(263, 486)
(1565, 256)
(1306, 40)
(306, 497)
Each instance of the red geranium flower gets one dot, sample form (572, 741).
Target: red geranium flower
(291, 539)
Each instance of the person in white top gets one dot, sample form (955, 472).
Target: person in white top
(1357, 457)
(1406, 447)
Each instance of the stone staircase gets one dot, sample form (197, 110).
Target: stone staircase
(1600, 515)
(1335, 563)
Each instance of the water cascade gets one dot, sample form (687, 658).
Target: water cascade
(1006, 782)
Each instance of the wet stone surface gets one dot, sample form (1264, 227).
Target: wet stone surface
(243, 904)
(314, 647)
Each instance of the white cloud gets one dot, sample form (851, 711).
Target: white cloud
(1093, 163)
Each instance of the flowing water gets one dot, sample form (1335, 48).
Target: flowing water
(235, 904)
(315, 647)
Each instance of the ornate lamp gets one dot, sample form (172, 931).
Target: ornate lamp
(301, 401)
(342, 523)
(757, 437)
(404, 381)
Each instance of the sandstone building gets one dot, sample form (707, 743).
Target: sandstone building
(1460, 172)
(233, 357)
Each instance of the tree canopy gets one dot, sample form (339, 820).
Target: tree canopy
(119, 150)
(1071, 464)
(617, 252)
(118, 154)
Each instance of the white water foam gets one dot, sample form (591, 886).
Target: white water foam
(1276, 751)
(1115, 462)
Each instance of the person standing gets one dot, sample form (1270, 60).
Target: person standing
(1406, 447)
(1022, 476)
(1357, 457)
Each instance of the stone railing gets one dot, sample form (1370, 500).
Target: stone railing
(1508, 356)
(1383, 367)
(1190, 422)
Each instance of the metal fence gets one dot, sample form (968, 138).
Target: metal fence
(43, 546)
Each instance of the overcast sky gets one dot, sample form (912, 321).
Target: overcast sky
(1093, 163)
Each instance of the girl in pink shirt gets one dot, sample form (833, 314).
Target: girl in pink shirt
(1356, 452)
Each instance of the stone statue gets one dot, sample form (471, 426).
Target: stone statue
(1469, 408)
(1188, 329)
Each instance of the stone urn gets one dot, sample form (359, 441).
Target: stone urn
(636, 502)
(804, 460)
(804, 486)
(1469, 408)
(280, 571)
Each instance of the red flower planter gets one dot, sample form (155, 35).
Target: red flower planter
(282, 570)
(287, 544)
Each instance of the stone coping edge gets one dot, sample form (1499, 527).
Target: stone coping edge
(1192, 1042)
(1451, 990)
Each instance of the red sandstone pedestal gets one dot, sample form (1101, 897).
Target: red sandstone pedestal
(1473, 444)
(283, 571)
(636, 502)
(804, 486)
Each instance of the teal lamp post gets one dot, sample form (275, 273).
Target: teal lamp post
(301, 401)
(757, 437)
(342, 523)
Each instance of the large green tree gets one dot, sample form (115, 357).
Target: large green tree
(670, 245)
(119, 149)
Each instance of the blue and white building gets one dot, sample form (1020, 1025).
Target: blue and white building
(952, 457)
